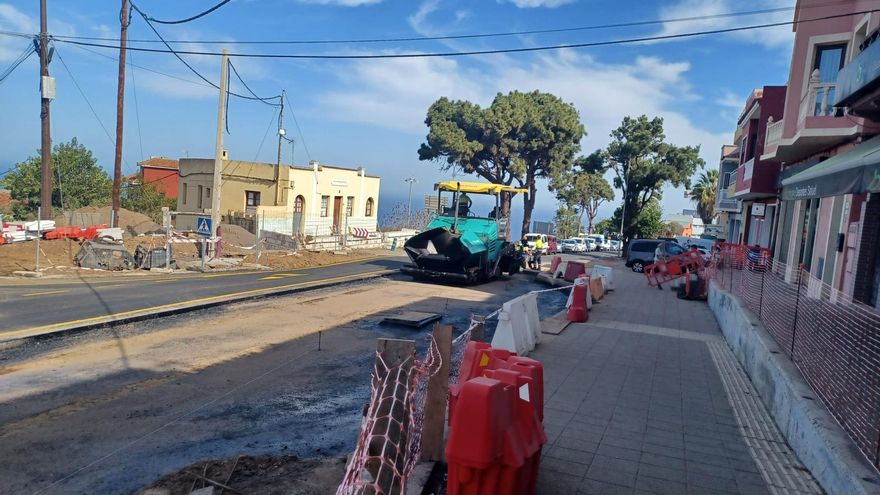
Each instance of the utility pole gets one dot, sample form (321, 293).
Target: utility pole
(411, 181)
(47, 90)
(218, 150)
(281, 133)
(120, 102)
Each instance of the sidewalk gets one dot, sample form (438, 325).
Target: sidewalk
(647, 398)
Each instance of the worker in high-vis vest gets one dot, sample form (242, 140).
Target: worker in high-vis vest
(539, 248)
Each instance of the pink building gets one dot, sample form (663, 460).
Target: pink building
(828, 217)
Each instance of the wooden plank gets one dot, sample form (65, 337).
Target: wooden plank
(556, 323)
(478, 334)
(435, 402)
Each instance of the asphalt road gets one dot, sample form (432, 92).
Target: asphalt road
(31, 308)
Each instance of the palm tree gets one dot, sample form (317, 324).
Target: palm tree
(704, 193)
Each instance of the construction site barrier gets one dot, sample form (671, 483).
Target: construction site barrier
(607, 274)
(574, 269)
(586, 295)
(554, 264)
(580, 294)
(673, 268)
(496, 433)
(519, 326)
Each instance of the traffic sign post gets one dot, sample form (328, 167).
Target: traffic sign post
(204, 227)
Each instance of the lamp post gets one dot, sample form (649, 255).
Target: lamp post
(411, 181)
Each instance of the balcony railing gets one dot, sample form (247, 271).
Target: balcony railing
(818, 101)
(725, 202)
(774, 132)
(748, 169)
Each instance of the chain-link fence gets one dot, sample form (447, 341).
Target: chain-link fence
(833, 340)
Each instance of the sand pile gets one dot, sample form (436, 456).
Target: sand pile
(133, 223)
(237, 236)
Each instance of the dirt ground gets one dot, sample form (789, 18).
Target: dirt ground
(266, 475)
(56, 256)
(113, 410)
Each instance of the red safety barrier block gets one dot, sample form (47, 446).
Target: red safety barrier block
(573, 270)
(64, 233)
(578, 312)
(533, 369)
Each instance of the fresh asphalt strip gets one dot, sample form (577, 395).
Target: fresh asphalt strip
(185, 306)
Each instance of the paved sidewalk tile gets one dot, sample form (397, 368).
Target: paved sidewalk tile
(640, 400)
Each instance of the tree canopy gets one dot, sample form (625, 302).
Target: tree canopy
(704, 193)
(648, 224)
(585, 189)
(146, 199)
(519, 138)
(79, 180)
(567, 221)
(643, 164)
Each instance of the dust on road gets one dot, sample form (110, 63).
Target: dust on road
(112, 410)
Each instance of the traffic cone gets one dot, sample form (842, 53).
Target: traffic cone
(577, 311)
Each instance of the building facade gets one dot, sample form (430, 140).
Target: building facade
(318, 200)
(162, 173)
(756, 177)
(727, 207)
(828, 215)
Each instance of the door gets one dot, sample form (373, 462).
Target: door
(337, 213)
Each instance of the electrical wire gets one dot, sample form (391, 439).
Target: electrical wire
(477, 35)
(18, 61)
(622, 41)
(298, 130)
(188, 19)
(263, 99)
(94, 113)
(137, 111)
(141, 67)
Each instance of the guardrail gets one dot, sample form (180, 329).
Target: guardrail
(832, 339)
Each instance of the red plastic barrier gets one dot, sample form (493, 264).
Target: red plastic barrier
(573, 270)
(578, 312)
(64, 233)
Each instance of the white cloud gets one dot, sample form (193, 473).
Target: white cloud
(418, 21)
(342, 3)
(12, 19)
(775, 38)
(729, 99)
(528, 4)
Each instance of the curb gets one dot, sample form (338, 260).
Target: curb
(185, 307)
(814, 435)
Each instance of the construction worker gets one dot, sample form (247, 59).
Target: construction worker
(464, 204)
(539, 248)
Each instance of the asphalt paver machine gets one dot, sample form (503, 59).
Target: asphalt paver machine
(458, 245)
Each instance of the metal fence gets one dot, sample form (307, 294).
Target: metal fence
(833, 340)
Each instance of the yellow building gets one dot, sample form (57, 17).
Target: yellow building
(316, 200)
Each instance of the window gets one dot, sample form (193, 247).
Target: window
(252, 198)
(208, 193)
(325, 205)
(299, 204)
(183, 193)
(829, 61)
(349, 206)
(369, 209)
(199, 199)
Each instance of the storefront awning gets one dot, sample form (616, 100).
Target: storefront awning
(854, 171)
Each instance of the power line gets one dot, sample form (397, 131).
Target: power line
(188, 19)
(298, 130)
(477, 35)
(18, 61)
(94, 113)
(623, 41)
(264, 100)
(141, 67)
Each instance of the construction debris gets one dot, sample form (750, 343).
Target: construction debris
(414, 319)
(104, 256)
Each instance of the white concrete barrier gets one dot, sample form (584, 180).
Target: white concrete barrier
(605, 272)
(560, 270)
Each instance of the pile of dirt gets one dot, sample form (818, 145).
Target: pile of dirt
(132, 222)
(237, 236)
(266, 475)
(285, 260)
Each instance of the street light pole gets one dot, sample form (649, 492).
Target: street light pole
(411, 181)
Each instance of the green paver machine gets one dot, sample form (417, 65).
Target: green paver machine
(458, 245)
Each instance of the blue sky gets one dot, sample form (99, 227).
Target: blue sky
(370, 112)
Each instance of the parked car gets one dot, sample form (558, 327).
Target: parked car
(568, 246)
(589, 243)
(598, 240)
(640, 253)
(552, 246)
(581, 244)
(666, 249)
(615, 244)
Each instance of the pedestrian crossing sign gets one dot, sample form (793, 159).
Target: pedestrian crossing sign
(203, 227)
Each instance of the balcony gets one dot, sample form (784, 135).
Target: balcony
(858, 83)
(725, 202)
(818, 127)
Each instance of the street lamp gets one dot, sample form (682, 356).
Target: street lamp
(411, 181)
